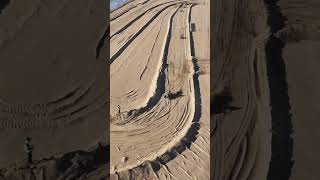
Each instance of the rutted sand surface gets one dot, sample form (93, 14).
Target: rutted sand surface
(151, 55)
(53, 84)
(265, 89)
(241, 113)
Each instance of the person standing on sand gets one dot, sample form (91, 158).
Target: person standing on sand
(119, 109)
(28, 148)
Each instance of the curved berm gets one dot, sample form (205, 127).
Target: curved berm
(159, 90)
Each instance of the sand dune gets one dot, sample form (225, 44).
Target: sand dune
(153, 54)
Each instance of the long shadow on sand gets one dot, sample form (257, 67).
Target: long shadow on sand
(282, 142)
(222, 104)
(102, 41)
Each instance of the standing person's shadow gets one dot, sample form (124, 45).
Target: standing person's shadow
(175, 95)
(222, 103)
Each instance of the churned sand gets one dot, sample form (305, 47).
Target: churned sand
(159, 77)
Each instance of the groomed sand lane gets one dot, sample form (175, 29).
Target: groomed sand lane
(160, 118)
(140, 81)
(132, 29)
(183, 166)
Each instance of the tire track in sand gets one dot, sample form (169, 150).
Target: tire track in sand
(156, 88)
(119, 52)
(136, 19)
(185, 138)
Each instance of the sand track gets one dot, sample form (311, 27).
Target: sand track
(157, 77)
(132, 21)
(132, 37)
(148, 139)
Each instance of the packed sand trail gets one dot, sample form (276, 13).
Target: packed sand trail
(159, 81)
(53, 84)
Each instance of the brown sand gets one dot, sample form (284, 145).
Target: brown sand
(265, 53)
(156, 137)
(241, 120)
(303, 92)
(301, 57)
(53, 84)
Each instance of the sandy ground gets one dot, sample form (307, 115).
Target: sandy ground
(265, 121)
(304, 108)
(241, 115)
(53, 78)
(300, 55)
(153, 53)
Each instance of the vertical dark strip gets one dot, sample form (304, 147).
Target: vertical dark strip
(101, 43)
(282, 142)
(215, 22)
(107, 41)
